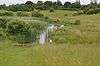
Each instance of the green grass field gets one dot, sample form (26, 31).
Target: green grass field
(74, 45)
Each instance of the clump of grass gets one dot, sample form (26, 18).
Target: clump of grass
(3, 22)
(46, 17)
(7, 13)
(80, 12)
(51, 10)
(37, 14)
(77, 22)
(2, 34)
(23, 14)
(65, 14)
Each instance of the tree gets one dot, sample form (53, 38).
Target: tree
(29, 3)
(59, 3)
(40, 3)
(3, 6)
(67, 4)
(76, 5)
(49, 4)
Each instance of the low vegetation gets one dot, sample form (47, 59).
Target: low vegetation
(22, 31)
(6, 13)
(36, 14)
(23, 14)
(74, 41)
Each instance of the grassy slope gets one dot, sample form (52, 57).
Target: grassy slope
(62, 54)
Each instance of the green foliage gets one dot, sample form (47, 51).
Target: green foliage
(2, 34)
(25, 32)
(79, 12)
(51, 10)
(87, 11)
(7, 13)
(70, 22)
(93, 11)
(15, 27)
(26, 37)
(46, 17)
(23, 14)
(32, 32)
(3, 22)
(65, 14)
(37, 14)
(20, 7)
(77, 22)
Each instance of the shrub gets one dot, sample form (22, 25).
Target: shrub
(46, 17)
(51, 10)
(77, 22)
(98, 10)
(66, 15)
(26, 37)
(15, 27)
(32, 32)
(78, 13)
(37, 14)
(8, 13)
(23, 14)
(93, 11)
(25, 32)
(3, 22)
(2, 34)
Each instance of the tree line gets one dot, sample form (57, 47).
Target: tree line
(40, 5)
(92, 8)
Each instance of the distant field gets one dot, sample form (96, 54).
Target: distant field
(73, 45)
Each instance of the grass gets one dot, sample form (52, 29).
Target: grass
(73, 45)
(50, 55)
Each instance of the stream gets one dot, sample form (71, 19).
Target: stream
(44, 34)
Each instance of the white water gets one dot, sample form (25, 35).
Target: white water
(43, 35)
(42, 39)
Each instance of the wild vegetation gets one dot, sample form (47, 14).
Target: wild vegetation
(75, 40)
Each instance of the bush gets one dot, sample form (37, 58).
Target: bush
(26, 37)
(37, 14)
(98, 10)
(15, 27)
(69, 9)
(3, 22)
(78, 13)
(8, 13)
(51, 10)
(25, 32)
(46, 17)
(2, 34)
(23, 14)
(77, 22)
(93, 11)
(66, 15)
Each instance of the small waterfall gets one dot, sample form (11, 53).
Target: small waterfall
(43, 34)
(42, 39)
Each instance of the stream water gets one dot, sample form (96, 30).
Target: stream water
(44, 34)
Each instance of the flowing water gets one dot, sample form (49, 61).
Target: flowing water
(44, 34)
(42, 39)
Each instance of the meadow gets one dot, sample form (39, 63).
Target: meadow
(73, 45)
